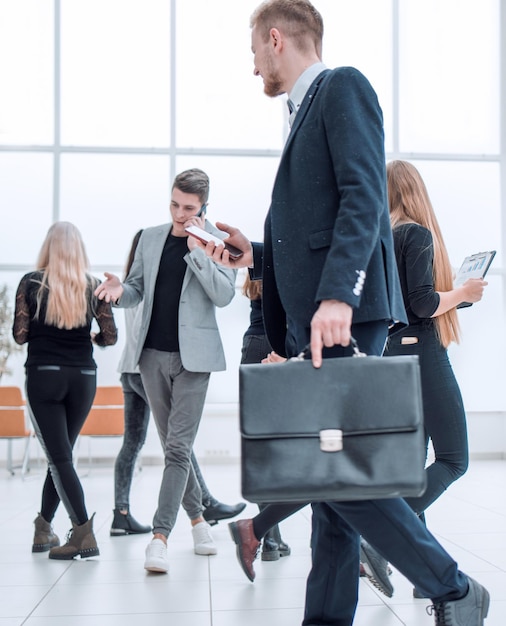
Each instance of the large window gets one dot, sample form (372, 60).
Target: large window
(104, 101)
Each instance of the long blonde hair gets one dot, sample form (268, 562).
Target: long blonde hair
(252, 289)
(65, 280)
(409, 202)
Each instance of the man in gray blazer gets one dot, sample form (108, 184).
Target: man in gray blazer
(179, 345)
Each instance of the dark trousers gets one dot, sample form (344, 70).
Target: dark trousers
(443, 411)
(396, 532)
(136, 426)
(255, 348)
(59, 400)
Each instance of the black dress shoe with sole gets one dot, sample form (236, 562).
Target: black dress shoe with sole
(217, 511)
(273, 551)
(126, 525)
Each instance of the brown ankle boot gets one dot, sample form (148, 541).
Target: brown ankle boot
(44, 537)
(80, 541)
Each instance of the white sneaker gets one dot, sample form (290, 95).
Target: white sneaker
(203, 540)
(156, 557)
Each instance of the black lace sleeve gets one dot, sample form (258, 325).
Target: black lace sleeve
(108, 334)
(21, 326)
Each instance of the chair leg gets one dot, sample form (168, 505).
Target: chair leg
(10, 466)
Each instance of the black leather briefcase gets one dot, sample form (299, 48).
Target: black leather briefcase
(350, 430)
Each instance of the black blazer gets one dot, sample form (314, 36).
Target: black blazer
(327, 234)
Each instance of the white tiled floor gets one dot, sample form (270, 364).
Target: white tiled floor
(114, 589)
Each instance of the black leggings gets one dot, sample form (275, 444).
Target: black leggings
(59, 400)
(443, 411)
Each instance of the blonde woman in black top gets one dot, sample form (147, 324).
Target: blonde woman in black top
(430, 300)
(55, 307)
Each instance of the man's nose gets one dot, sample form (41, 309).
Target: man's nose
(256, 72)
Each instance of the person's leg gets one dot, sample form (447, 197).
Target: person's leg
(273, 546)
(335, 546)
(273, 514)
(50, 499)
(65, 401)
(176, 397)
(207, 498)
(330, 571)
(44, 537)
(400, 537)
(136, 414)
(247, 533)
(59, 400)
(254, 349)
(214, 510)
(445, 425)
(188, 397)
(444, 420)
(136, 411)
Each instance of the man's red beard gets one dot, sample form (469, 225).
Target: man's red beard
(272, 87)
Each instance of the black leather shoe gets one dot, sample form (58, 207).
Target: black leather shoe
(273, 551)
(218, 511)
(126, 525)
(273, 547)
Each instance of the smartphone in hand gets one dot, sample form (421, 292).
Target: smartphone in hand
(203, 236)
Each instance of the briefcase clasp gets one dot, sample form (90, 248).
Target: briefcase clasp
(331, 440)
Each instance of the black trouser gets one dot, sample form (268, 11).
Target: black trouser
(59, 400)
(443, 411)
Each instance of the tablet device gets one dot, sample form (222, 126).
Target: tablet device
(473, 266)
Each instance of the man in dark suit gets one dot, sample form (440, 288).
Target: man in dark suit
(328, 270)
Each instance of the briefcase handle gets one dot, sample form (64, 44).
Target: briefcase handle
(307, 351)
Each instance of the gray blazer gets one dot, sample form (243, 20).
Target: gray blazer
(206, 285)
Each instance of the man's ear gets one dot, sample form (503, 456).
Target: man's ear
(276, 39)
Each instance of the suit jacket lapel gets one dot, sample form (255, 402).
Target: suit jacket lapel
(304, 107)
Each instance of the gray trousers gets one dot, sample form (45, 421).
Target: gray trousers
(176, 398)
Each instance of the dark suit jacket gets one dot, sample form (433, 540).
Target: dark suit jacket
(327, 233)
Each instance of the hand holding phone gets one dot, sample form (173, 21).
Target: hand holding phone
(203, 236)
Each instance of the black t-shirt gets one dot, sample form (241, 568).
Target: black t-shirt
(256, 320)
(163, 328)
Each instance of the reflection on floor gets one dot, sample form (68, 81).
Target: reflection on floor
(114, 589)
